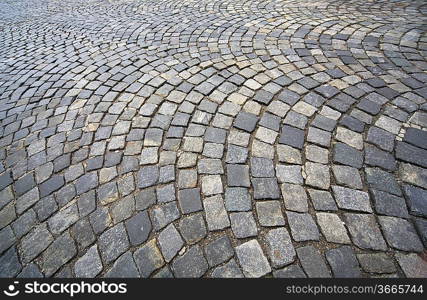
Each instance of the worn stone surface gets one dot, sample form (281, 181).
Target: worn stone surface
(252, 259)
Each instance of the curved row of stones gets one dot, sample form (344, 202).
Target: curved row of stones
(217, 139)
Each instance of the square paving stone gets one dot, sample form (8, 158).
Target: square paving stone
(236, 154)
(123, 267)
(89, 265)
(192, 264)
(262, 167)
(289, 174)
(332, 228)
(35, 242)
(113, 242)
(265, 188)
(252, 259)
(228, 270)
(288, 154)
(317, 175)
(413, 265)
(58, 253)
(348, 176)
(381, 138)
(303, 227)
(378, 158)
(270, 213)
(319, 137)
(237, 199)
(352, 199)
(292, 136)
(216, 215)
(400, 234)
(148, 176)
(413, 175)
(416, 200)
(416, 137)
(364, 231)
(9, 264)
(376, 263)
(219, 251)
(295, 197)
(245, 121)
(347, 155)
(64, 219)
(210, 166)
(390, 205)
(192, 228)
(243, 225)
(279, 247)
(189, 200)
(212, 185)
(411, 154)
(163, 215)
(312, 262)
(238, 175)
(148, 258)
(138, 228)
(383, 181)
(322, 200)
(170, 242)
(343, 262)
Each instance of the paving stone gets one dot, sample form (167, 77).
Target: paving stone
(228, 270)
(138, 228)
(416, 137)
(332, 228)
(292, 136)
(387, 204)
(412, 265)
(411, 154)
(148, 258)
(238, 175)
(343, 262)
(289, 174)
(269, 213)
(86, 182)
(56, 182)
(378, 158)
(216, 215)
(279, 247)
(245, 121)
(383, 181)
(413, 175)
(262, 167)
(303, 227)
(89, 265)
(347, 155)
(295, 197)
(265, 188)
(312, 263)
(415, 197)
(322, 200)
(212, 185)
(164, 215)
(124, 267)
(30, 271)
(219, 251)
(317, 175)
(63, 219)
(348, 176)
(187, 179)
(400, 234)
(148, 176)
(293, 271)
(243, 225)
(35, 242)
(190, 264)
(113, 242)
(170, 242)
(288, 154)
(317, 154)
(58, 253)
(376, 263)
(364, 231)
(352, 199)
(192, 228)
(9, 264)
(189, 200)
(252, 259)
(381, 138)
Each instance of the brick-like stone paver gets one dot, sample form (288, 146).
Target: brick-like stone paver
(276, 138)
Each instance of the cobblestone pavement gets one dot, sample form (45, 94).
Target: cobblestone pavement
(213, 138)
